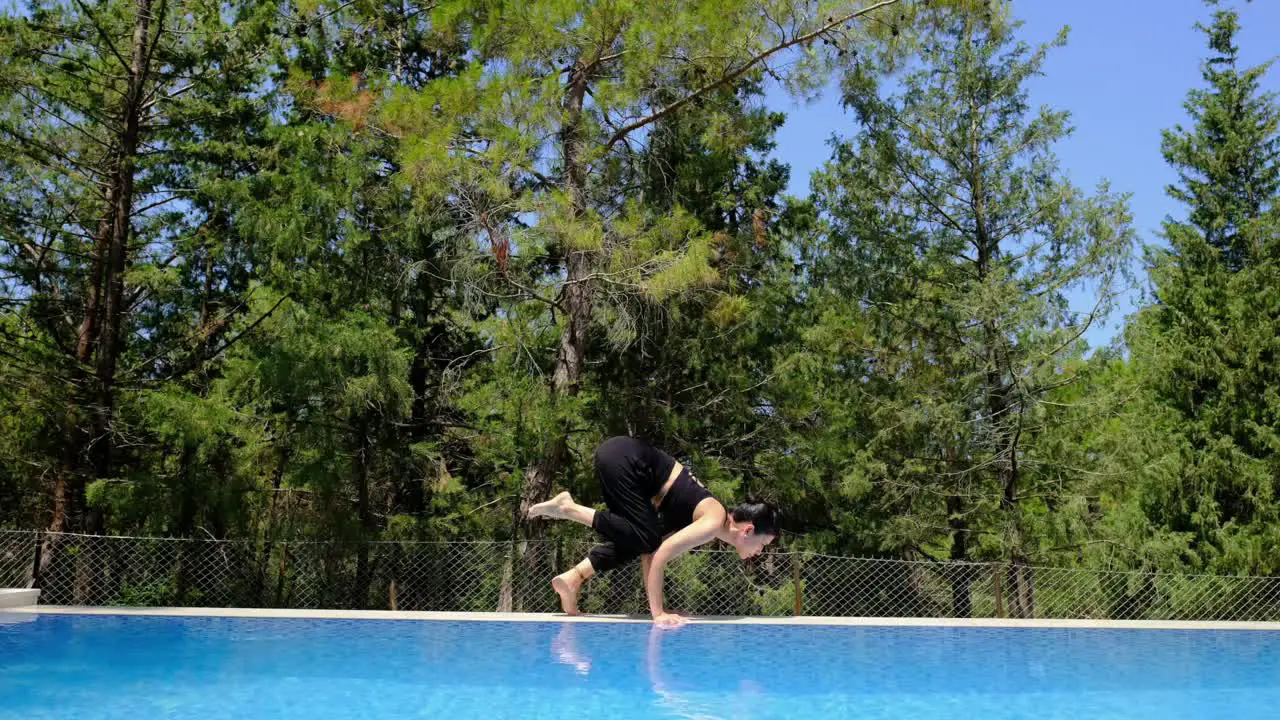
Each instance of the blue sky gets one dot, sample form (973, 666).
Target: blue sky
(1123, 75)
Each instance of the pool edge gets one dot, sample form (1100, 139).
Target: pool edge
(18, 597)
(558, 617)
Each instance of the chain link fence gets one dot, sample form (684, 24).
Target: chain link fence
(492, 576)
(17, 558)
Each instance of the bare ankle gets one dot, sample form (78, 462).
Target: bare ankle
(567, 585)
(573, 577)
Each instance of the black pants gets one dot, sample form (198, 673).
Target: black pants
(631, 472)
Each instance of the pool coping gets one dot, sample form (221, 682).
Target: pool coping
(803, 620)
(18, 597)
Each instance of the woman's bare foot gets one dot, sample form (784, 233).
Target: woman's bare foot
(567, 585)
(553, 508)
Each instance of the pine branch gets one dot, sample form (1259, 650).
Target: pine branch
(36, 104)
(155, 41)
(40, 152)
(734, 75)
(196, 361)
(102, 34)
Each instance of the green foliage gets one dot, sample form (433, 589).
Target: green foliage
(1204, 353)
(385, 264)
(940, 330)
(155, 594)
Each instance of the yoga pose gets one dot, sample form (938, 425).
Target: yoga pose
(657, 511)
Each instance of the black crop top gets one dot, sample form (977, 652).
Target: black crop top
(677, 506)
(659, 466)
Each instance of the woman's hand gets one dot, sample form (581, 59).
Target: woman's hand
(702, 531)
(668, 620)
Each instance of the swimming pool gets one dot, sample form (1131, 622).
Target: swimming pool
(147, 668)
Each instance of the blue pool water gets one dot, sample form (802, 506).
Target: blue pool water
(148, 668)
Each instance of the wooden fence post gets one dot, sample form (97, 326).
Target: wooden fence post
(997, 572)
(33, 578)
(797, 584)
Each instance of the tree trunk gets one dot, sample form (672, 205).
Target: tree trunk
(409, 496)
(1002, 430)
(1021, 590)
(567, 375)
(1021, 595)
(121, 209)
(68, 483)
(68, 487)
(98, 336)
(269, 530)
(961, 578)
(368, 528)
(185, 527)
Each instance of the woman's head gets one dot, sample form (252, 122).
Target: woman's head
(752, 526)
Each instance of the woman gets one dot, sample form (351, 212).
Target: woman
(657, 511)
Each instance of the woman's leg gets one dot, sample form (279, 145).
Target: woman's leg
(562, 507)
(630, 526)
(568, 584)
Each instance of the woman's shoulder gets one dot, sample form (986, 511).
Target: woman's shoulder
(709, 506)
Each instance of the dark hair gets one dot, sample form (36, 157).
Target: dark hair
(762, 516)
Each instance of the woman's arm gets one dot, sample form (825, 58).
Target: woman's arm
(700, 532)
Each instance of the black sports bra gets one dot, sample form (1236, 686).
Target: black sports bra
(677, 506)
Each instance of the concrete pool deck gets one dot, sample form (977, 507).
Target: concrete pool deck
(35, 610)
(18, 597)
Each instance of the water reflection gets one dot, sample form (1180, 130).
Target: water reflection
(565, 650)
(705, 671)
(676, 694)
(676, 704)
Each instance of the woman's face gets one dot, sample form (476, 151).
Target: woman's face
(748, 543)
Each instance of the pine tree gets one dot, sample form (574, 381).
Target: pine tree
(1229, 163)
(690, 376)
(1201, 438)
(543, 124)
(955, 239)
(100, 105)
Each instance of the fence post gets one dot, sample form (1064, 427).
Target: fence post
(997, 571)
(284, 559)
(394, 572)
(33, 580)
(797, 583)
